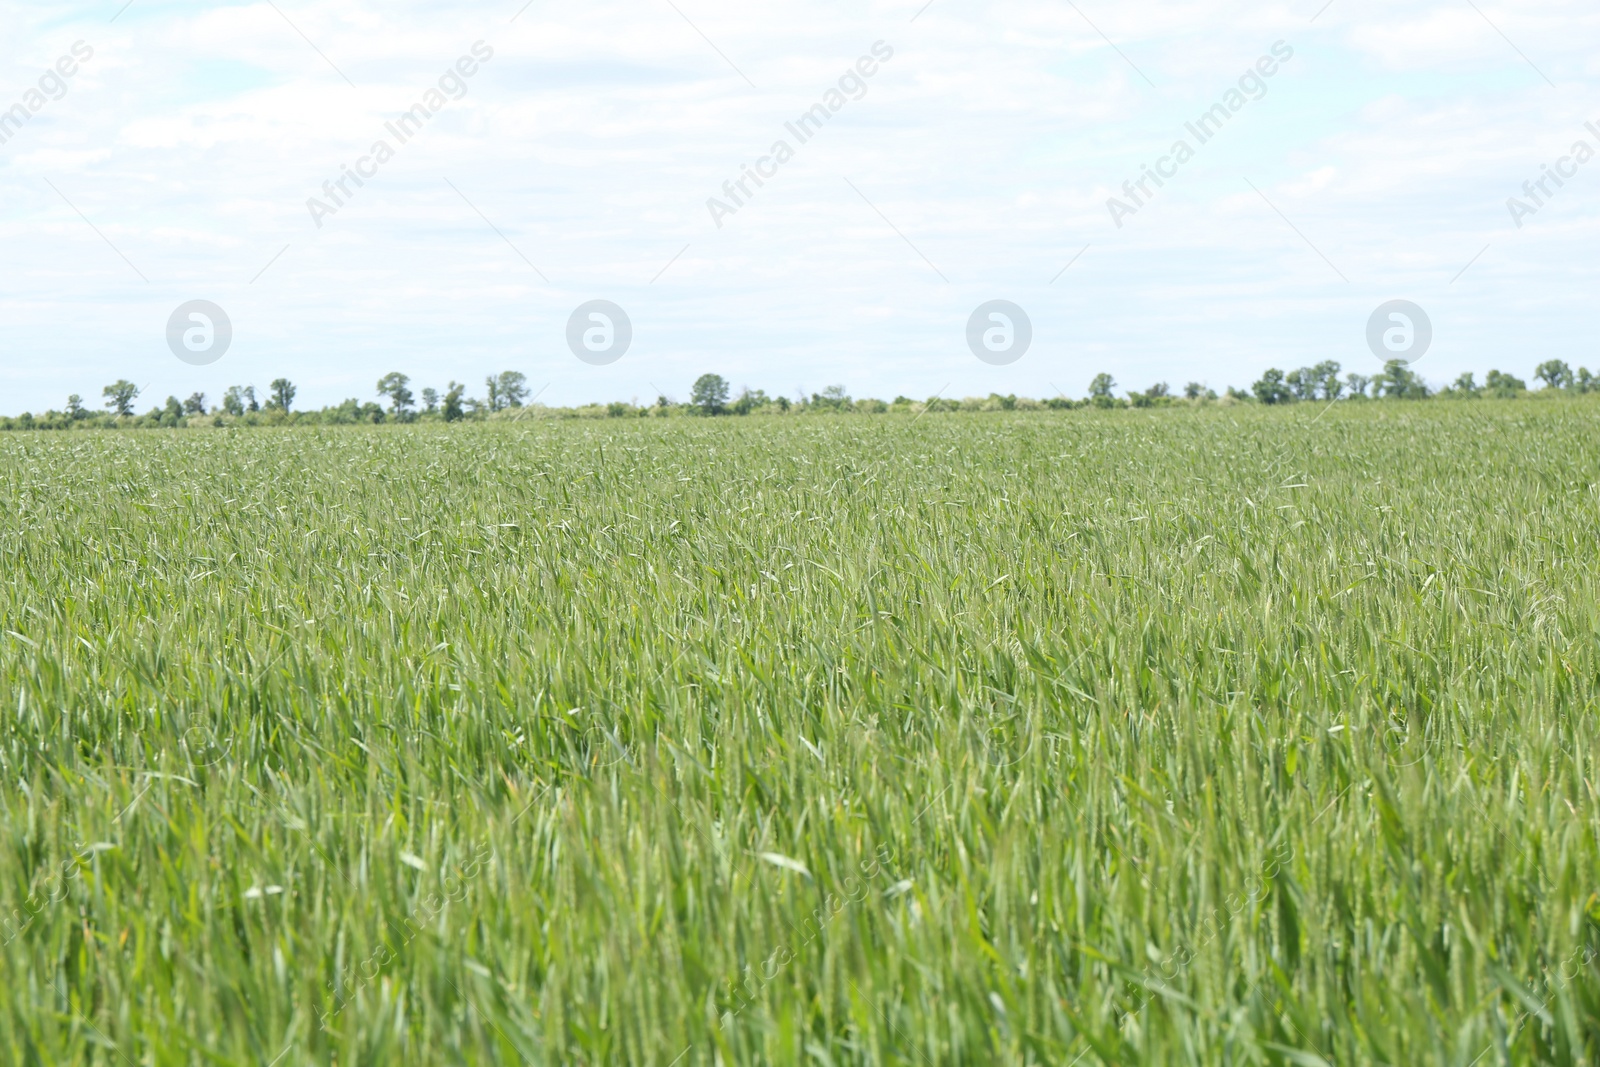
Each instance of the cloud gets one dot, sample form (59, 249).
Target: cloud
(592, 140)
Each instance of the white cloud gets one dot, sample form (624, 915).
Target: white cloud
(595, 135)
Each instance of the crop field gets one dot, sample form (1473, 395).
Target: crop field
(1225, 736)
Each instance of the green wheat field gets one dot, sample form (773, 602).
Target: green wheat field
(1213, 736)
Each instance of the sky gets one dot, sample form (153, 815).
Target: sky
(592, 154)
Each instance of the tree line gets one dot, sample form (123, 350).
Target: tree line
(1397, 380)
(240, 405)
(506, 395)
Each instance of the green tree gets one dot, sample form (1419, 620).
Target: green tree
(452, 402)
(1326, 375)
(1466, 387)
(430, 400)
(833, 398)
(1504, 386)
(1271, 388)
(195, 405)
(512, 388)
(1357, 384)
(75, 408)
(1303, 383)
(1101, 386)
(120, 396)
(1400, 382)
(710, 394)
(393, 386)
(282, 393)
(1554, 373)
(1586, 381)
(172, 412)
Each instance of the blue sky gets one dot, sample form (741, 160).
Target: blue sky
(591, 141)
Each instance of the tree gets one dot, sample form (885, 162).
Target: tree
(1400, 382)
(1302, 383)
(239, 399)
(1586, 381)
(1554, 373)
(1194, 391)
(1503, 386)
(710, 394)
(1465, 386)
(282, 393)
(1102, 385)
(1271, 389)
(1157, 391)
(120, 396)
(833, 398)
(1326, 375)
(172, 412)
(75, 409)
(452, 402)
(430, 400)
(393, 385)
(1357, 383)
(195, 405)
(512, 386)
